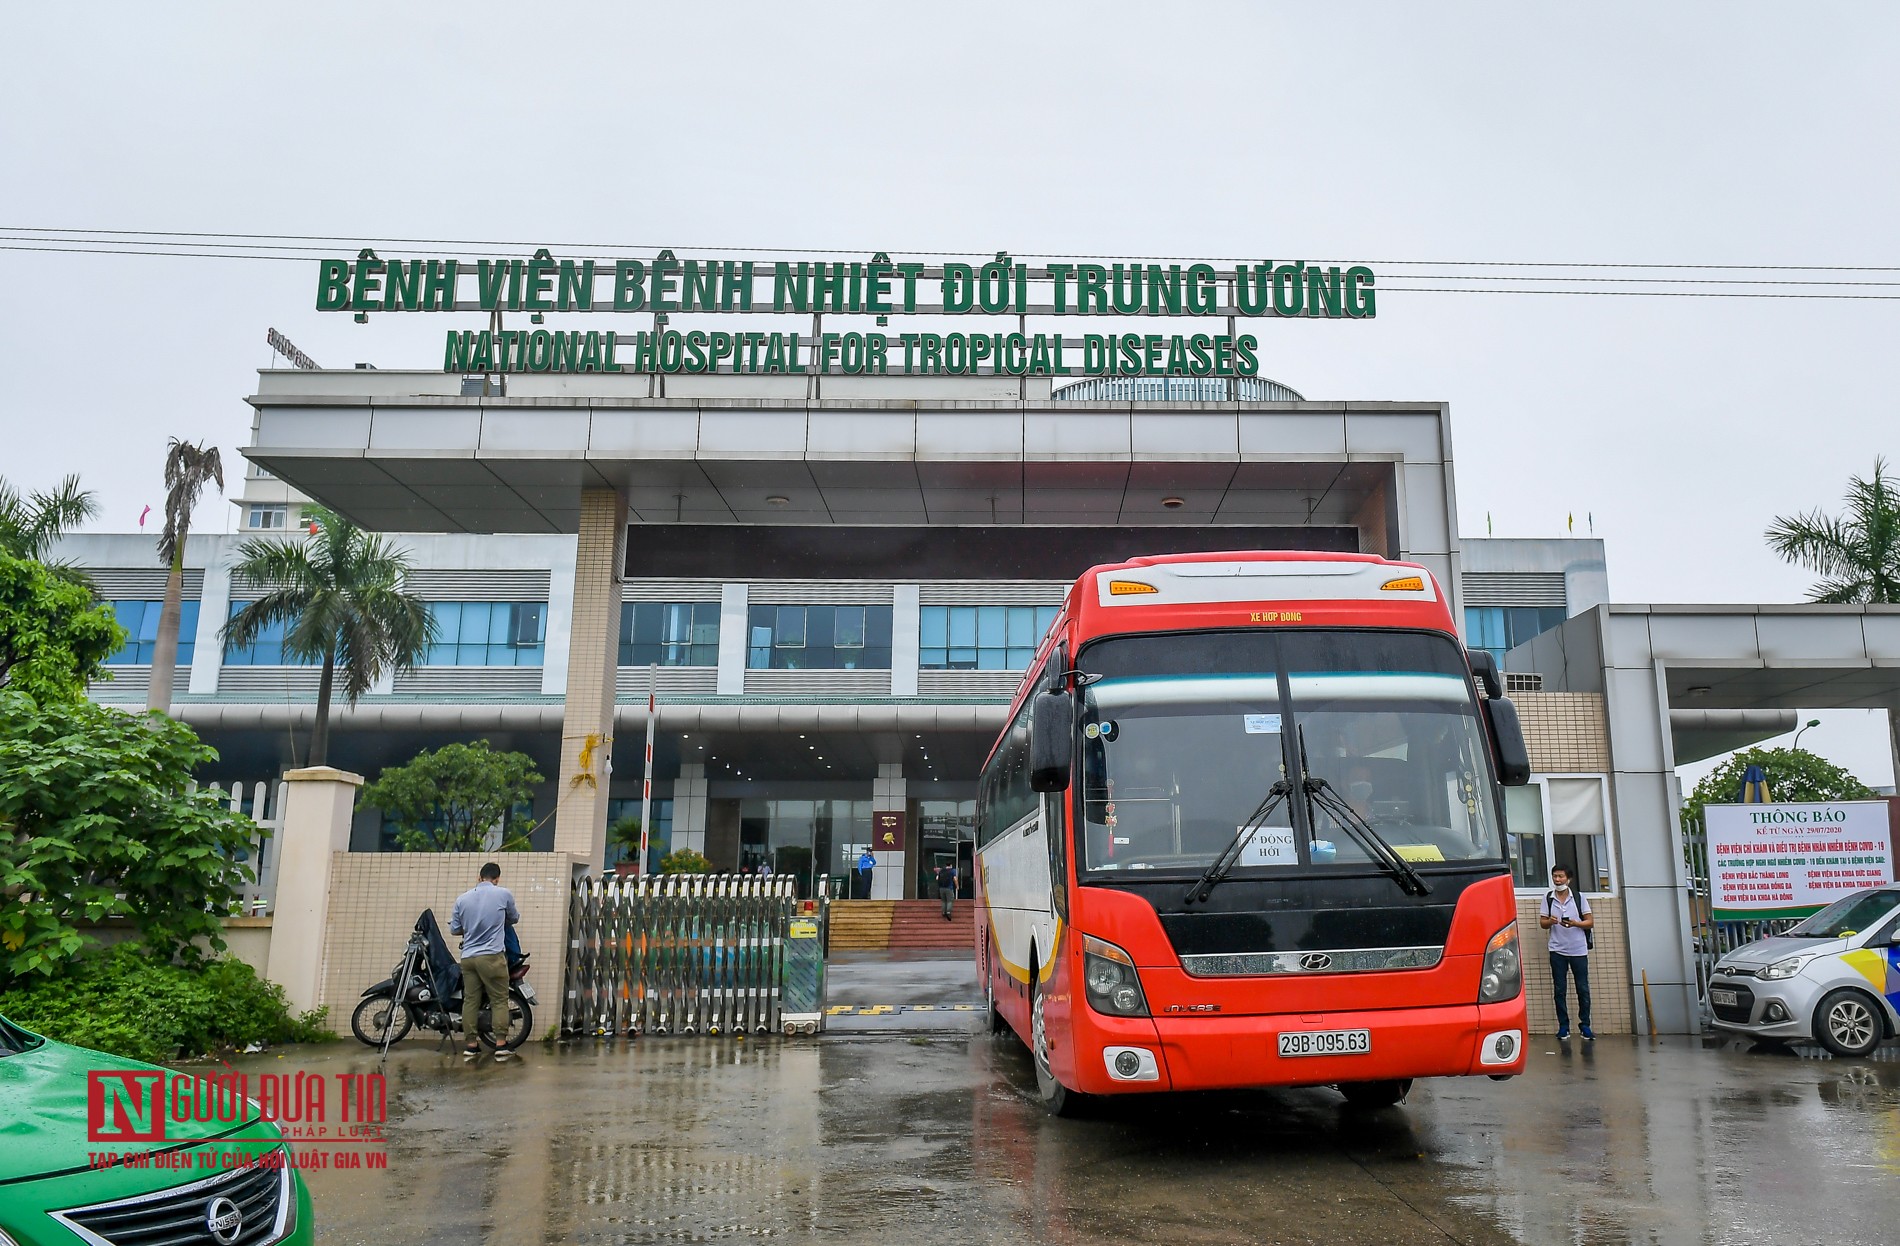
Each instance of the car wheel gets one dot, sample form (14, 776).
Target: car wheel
(1383, 1094)
(1848, 1024)
(1059, 1099)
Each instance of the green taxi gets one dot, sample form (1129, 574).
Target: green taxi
(91, 1152)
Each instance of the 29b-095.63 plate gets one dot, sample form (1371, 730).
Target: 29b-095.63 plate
(1325, 1042)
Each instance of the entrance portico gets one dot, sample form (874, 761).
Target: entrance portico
(881, 506)
(1723, 665)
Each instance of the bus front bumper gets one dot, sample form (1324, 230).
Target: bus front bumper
(1233, 1052)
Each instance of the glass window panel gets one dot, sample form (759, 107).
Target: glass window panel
(1022, 625)
(963, 659)
(439, 655)
(676, 623)
(499, 617)
(877, 627)
(962, 625)
(1520, 624)
(934, 627)
(706, 623)
(849, 627)
(148, 622)
(992, 659)
(1576, 806)
(1019, 659)
(1045, 615)
(448, 621)
(990, 623)
(790, 627)
(931, 659)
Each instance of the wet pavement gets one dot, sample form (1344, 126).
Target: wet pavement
(915, 1136)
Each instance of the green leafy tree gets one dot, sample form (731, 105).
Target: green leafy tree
(685, 861)
(1857, 553)
(98, 820)
(31, 524)
(449, 799)
(341, 596)
(1794, 775)
(188, 468)
(54, 638)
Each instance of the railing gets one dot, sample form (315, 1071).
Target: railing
(692, 954)
(266, 809)
(1176, 389)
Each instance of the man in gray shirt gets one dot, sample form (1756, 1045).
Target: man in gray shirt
(482, 915)
(1566, 914)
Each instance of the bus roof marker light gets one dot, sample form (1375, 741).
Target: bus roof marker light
(1404, 584)
(1124, 588)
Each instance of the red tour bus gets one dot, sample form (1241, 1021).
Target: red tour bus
(1244, 828)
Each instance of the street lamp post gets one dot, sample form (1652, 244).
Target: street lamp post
(1812, 722)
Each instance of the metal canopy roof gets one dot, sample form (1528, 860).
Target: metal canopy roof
(405, 452)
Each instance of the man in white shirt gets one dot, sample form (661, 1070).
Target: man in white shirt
(1566, 914)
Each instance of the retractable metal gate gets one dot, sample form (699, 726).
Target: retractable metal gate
(680, 954)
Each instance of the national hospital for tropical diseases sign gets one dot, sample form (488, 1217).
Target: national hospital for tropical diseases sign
(667, 285)
(1790, 860)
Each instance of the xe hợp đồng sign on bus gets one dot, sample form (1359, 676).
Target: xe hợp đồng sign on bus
(878, 287)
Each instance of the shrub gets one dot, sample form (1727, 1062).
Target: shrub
(685, 861)
(129, 1003)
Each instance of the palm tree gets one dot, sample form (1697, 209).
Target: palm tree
(1857, 553)
(30, 525)
(187, 468)
(341, 597)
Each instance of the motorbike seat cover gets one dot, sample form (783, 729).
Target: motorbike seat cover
(445, 974)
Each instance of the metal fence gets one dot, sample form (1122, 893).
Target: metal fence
(1712, 940)
(704, 954)
(265, 806)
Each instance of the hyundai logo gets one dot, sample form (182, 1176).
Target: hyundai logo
(223, 1220)
(1313, 962)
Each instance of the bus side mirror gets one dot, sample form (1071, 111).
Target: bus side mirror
(1485, 667)
(1051, 741)
(1507, 741)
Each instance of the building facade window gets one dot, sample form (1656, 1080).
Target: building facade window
(140, 621)
(812, 840)
(1561, 820)
(659, 839)
(669, 633)
(818, 638)
(488, 633)
(265, 516)
(981, 638)
(1498, 628)
(266, 650)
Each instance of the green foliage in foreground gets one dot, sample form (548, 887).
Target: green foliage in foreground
(97, 821)
(132, 1004)
(53, 636)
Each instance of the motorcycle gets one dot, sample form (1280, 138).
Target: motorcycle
(425, 989)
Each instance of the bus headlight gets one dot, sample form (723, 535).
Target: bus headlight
(1110, 981)
(1503, 972)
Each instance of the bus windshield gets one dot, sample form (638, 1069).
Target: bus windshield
(1184, 736)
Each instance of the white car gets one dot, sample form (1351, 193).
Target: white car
(1834, 978)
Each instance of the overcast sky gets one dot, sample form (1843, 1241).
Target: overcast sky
(1726, 133)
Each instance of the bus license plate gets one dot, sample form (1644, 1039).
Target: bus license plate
(1325, 1042)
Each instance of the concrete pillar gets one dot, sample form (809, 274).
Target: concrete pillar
(593, 652)
(893, 868)
(317, 807)
(214, 604)
(689, 808)
(732, 638)
(906, 618)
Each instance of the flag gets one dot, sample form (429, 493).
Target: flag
(1754, 787)
(1487, 523)
(1571, 523)
(143, 514)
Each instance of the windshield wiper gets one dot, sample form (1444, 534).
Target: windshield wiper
(1319, 792)
(1230, 855)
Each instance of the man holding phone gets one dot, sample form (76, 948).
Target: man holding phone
(1567, 916)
